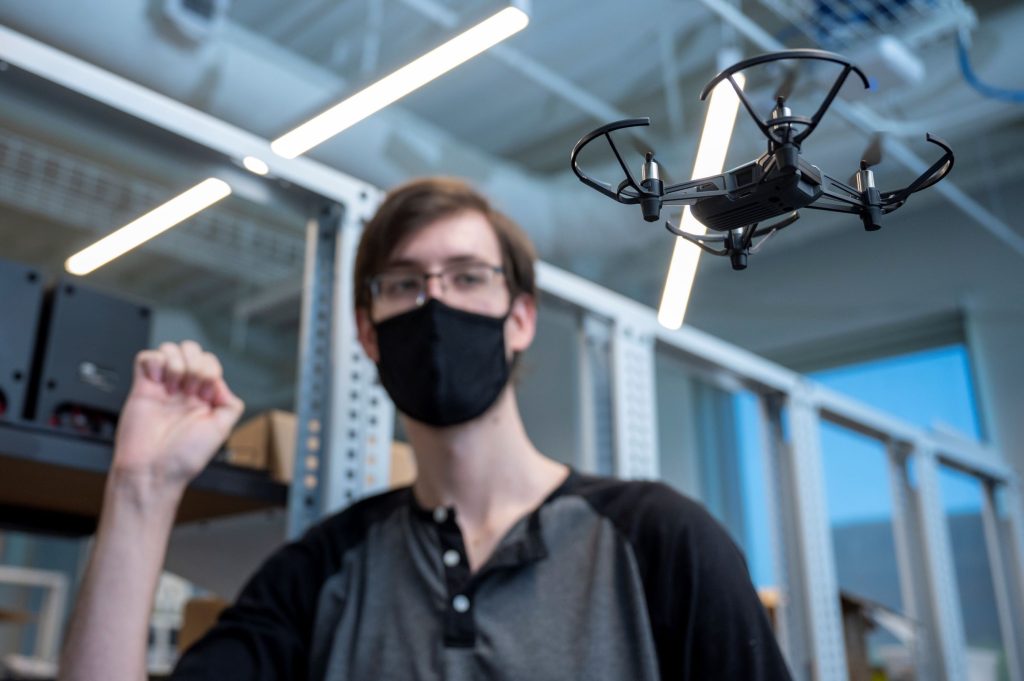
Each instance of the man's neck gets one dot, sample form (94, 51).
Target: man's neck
(487, 469)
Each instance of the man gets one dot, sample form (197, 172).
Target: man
(498, 563)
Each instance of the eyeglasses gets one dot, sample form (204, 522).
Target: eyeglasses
(464, 284)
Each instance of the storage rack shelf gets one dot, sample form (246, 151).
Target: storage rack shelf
(53, 482)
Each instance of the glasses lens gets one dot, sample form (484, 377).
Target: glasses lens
(397, 286)
(470, 279)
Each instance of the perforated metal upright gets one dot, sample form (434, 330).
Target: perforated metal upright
(1012, 538)
(596, 433)
(817, 566)
(1001, 564)
(943, 595)
(910, 560)
(362, 414)
(633, 400)
(313, 391)
(780, 496)
(345, 420)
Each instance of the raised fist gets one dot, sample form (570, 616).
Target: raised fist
(177, 415)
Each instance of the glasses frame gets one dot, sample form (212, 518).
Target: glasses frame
(373, 282)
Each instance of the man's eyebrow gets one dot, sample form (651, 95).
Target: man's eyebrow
(454, 259)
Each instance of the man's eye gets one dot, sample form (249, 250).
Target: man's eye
(397, 287)
(468, 279)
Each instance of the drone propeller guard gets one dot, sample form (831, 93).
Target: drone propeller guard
(779, 182)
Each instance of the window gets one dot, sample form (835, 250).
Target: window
(931, 388)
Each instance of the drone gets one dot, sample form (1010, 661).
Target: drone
(735, 204)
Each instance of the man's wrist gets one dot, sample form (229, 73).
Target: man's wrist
(145, 490)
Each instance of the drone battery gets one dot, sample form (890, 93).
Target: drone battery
(84, 372)
(21, 291)
(755, 200)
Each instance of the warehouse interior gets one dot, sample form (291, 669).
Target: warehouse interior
(86, 149)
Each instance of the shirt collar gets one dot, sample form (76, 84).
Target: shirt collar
(524, 542)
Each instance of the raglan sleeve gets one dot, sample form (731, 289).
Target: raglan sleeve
(706, 617)
(723, 621)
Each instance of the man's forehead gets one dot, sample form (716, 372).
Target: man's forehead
(460, 237)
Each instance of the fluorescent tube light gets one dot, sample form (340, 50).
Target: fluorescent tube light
(714, 143)
(153, 223)
(393, 87)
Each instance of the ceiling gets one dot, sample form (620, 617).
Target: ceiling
(507, 120)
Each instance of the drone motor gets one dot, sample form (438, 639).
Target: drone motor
(650, 180)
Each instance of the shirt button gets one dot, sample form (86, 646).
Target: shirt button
(451, 557)
(460, 603)
(440, 514)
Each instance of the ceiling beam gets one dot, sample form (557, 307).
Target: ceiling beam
(294, 17)
(371, 42)
(670, 81)
(544, 76)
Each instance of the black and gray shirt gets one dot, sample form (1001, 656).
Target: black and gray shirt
(606, 580)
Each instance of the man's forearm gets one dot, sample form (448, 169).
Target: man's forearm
(109, 630)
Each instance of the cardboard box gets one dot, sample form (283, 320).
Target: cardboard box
(860, 616)
(265, 442)
(770, 599)
(198, 617)
(15, 616)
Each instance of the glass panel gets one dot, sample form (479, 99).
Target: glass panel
(697, 434)
(932, 388)
(859, 504)
(678, 460)
(860, 512)
(710, 450)
(719, 456)
(962, 499)
(759, 538)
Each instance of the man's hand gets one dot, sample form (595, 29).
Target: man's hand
(178, 413)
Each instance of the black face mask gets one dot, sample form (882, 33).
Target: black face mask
(440, 365)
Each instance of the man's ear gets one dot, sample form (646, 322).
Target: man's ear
(521, 326)
(367, 334)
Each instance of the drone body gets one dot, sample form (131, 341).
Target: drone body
(735, 204)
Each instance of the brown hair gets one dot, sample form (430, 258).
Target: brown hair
(414, 205)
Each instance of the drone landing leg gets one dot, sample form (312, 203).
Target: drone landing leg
(872, 215)
(737, 248)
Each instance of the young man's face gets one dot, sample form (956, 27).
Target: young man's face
(453, 244)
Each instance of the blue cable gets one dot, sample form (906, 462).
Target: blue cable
(1016, 96)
